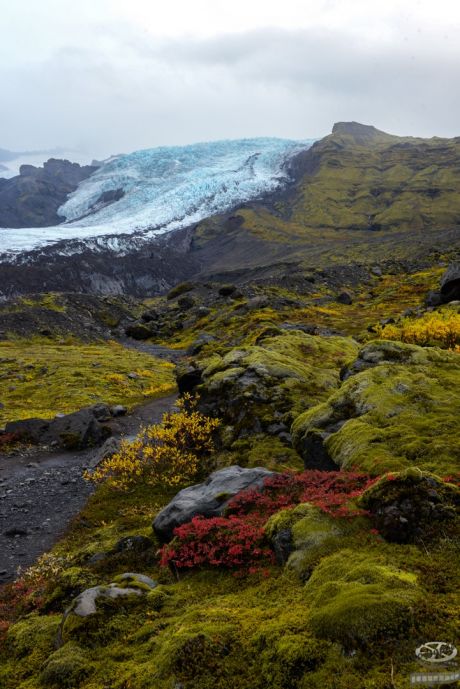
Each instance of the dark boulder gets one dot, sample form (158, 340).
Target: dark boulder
(208, 499)
(186, 302)
(227, 290)
(138, 331)
(71, 431)
(78, 430)
(433, 299)
(345, 298)
(133, 544)
(188, 376)
(101, 412)
(450, 283)
(412, 506)
(31, 430)
(149, 316)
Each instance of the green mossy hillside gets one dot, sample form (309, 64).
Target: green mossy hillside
(362, 611)
(354, 198)
(401, 411)
(41, 378)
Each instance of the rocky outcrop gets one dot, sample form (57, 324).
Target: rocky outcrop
(261, 388)
(33, 197)
(397, 409)
(450, 283)
(208, 499)
(412, 506)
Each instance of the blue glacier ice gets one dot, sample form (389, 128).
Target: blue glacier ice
(164, 189)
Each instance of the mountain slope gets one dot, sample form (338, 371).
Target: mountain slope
(356, 196)
(359, 194)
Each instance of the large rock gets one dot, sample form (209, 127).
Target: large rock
(71, 431)
(97, 600)
(450, 283)
(139, 331)
(208, 499)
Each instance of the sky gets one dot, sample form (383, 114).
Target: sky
(110, 76)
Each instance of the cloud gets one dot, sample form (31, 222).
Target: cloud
(121, 88)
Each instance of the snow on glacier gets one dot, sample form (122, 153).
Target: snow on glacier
(165, 188)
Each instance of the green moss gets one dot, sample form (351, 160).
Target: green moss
(253, 387)
(49, 300)
(357, 598)
(41, 377)
(261, 450)
(66, 667)
(402, 412)
(179, 289)
(285, 519)
(28, 645)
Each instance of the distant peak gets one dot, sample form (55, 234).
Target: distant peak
(361, 131)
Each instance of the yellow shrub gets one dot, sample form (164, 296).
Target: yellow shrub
(171, 453)
(438, 328)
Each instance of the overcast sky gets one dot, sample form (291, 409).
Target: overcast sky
(106, 76)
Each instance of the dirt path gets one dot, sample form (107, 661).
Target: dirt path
(40, 492)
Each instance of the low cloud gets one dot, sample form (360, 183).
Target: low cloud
(126, 89)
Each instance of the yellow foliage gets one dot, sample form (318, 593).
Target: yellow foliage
(157, 390)
(170, 453)
(438, 328)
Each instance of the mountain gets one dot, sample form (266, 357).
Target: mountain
(35, 195)
(246, 206)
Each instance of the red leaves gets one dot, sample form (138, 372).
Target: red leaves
(237, 540)
(328, 490)
(7, 439)
(16, 599)
(220, 542)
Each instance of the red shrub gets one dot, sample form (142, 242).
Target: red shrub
(16, 599)
(220, 542)
(237, 540)
(328, 490)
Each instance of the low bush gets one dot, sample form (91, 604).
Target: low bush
(173, 452)
(437, 328)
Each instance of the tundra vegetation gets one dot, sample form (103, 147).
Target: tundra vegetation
(332, 571)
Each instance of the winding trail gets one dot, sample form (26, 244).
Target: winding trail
(41, 492)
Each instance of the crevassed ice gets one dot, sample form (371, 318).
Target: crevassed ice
(165, 188)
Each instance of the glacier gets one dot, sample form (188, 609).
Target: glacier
(165, 188)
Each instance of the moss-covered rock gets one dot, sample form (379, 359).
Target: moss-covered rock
(356, 598)
(400, 412)
(300, 534)
(412, 506)
(257, 387)
(67, 667)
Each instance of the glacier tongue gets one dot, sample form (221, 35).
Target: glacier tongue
(164, 189)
